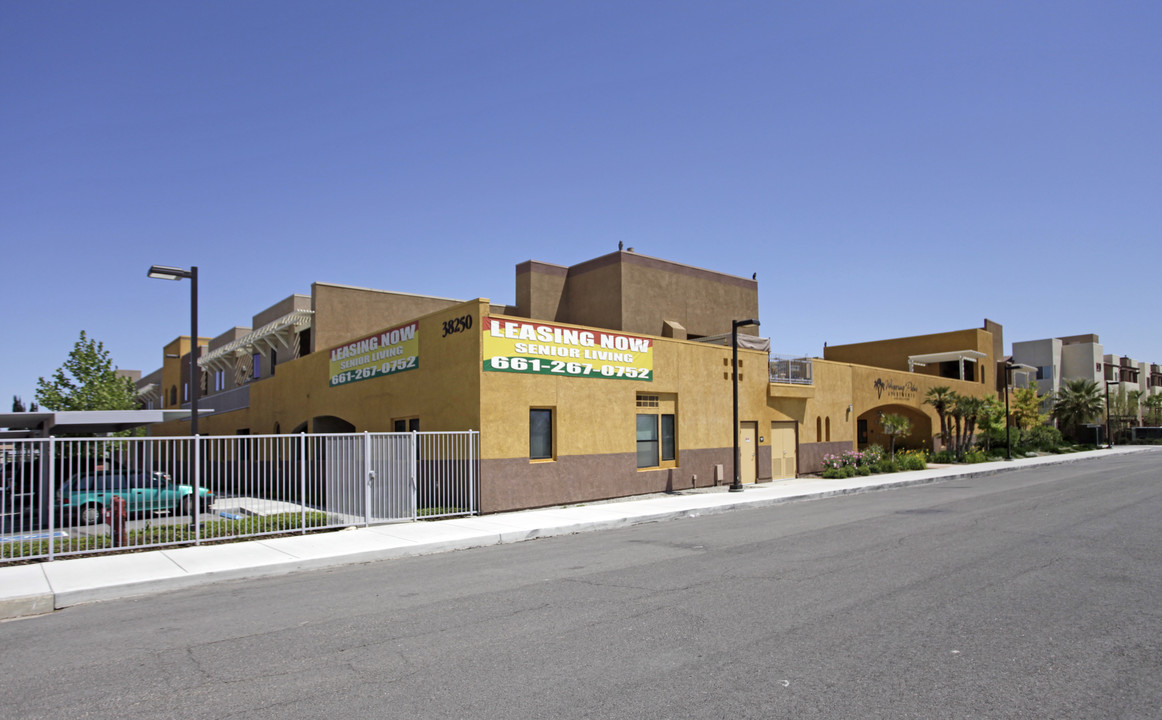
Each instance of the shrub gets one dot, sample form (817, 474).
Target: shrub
(974, 456)
(831, 473)
(863, 470)
(872, 454)
(943, 457)
(1042, 437)
(912, 460)
(832, 462)
(886, 465)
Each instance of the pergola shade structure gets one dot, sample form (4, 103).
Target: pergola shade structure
(958, 356)
(282, 333)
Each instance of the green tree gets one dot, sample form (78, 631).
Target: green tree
(1079, 401)
(1153, 404)
(87, 381)
(895, 426)
(940, 397)
(991, 419)
(1027, 407)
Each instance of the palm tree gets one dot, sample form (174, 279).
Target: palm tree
(940, 397)
(965, 410)
(1079, 401)
(1134, 404)
(1154, 404)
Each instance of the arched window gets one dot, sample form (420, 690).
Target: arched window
(818, 429)
(828, 426)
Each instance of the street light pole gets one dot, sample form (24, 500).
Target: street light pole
(164, 272)
(736, 486)
(1109, 435)
(1008, 435)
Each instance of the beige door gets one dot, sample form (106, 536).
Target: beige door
(782, 450)
(748, 454)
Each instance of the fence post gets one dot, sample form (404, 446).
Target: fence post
(197, 504)
(51, 493)
(413, 461)
(367, 477)
(473, 452)
(303, 481)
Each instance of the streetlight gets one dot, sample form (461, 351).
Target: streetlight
(1010, 366)
(1109, 436)
(164, 272)
(736, 486)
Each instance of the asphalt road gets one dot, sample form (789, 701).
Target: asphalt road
(1031, 594)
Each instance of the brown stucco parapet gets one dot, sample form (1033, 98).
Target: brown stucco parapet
(541, 267)
(630, 258)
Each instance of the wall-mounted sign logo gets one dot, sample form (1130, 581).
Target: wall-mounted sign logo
(384, 353)
(521, 346)
(894, 390)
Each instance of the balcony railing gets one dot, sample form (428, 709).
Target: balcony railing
(224, 400)
(790, 369)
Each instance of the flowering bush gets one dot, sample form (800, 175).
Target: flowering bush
(832, 462)
(872, 454)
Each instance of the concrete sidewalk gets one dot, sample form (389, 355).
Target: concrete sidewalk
(43, 587)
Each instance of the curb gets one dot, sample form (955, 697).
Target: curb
(176, 563)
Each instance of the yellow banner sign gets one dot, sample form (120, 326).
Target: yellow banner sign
(521, 346)
(384, 353)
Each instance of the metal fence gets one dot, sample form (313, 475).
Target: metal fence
(64, 496)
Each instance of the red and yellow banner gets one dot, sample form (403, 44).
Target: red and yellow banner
(524, 346)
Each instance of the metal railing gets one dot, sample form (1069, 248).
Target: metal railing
(796, 370)
(62, 496)
(224, 400)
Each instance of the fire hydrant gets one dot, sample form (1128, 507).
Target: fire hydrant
(115, 517)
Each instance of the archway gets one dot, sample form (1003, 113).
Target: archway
(331, 424)
(870, 430)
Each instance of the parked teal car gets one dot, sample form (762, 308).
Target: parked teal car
(85, 496)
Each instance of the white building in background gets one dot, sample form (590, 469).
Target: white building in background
(1061, 359)
(1081, 356)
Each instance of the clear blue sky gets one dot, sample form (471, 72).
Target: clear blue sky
(887, 168)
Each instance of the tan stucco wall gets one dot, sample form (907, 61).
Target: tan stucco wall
(893, 354)
(540, 290)
(593, 294)
(636, 294)
(343, 313)
(597, 415)
(443, 391)
(703, 302)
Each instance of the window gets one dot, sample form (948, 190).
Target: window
(256, 366)
(647, 441)
(827, 427)
(185, 392)
(540, 434)
(818, 428)
(304, 342)
(669, 447)
(406, 425)
(656, 431)
(273, 360)
(173, 395)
